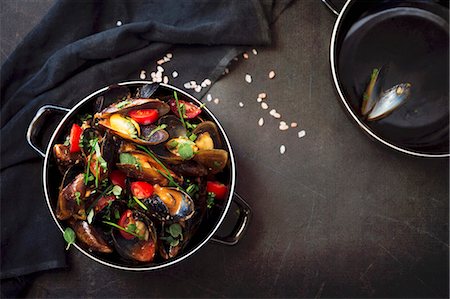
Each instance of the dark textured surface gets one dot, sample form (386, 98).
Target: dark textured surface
(336, 216)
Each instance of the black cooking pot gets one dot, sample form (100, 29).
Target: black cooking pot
(52, 179)
(410, 40)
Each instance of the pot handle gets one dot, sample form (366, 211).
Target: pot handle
(331, 7)
(241, 225)
(35, 124)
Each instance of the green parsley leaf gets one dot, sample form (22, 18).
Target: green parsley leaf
(126, 158)
(77, 197)
(131, 227)
(185, 150)
(69, 237)
(122, 104)
(158, 128)
(90, 216)
(175, 230)
(116, 214)
(174, 242)
(193, 137)
(116, 190)
(192, 189)
(211, 200)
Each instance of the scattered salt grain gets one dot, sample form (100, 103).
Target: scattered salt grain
(169, 55)
(119, 23)
(226, 71)
(294, 125)
(264, 105)
(241, 104)
(248, 78)
(301, 134)
(275, 114)
(187, 85)
(160, 69)
(209, 97)
(255, 52)
(158, 79)
(283, 126)
(166, 79)
(282, 149)
(271, 74)
(207, 81)
(261, 122)
(193, 83)
(198, 88)
(259, 100)
(216, 101)
(142, 75)
(166, 59)
(203, 84)
(159, 62)
(175, 74)
(245, 55)
(262, 95)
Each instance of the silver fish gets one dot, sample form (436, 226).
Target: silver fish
(372, 93)
(390, 100)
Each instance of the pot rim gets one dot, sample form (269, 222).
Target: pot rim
(176, 259)
(347, 106)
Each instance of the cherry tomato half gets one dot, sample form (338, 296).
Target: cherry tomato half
(118, 178)
(144, 116)
(74, 139)
(144, 251)
(103, 202)
(141, 189)
(124, 221)
(191, 109)
(219, 189)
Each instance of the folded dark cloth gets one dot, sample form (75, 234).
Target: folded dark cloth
(81, 46)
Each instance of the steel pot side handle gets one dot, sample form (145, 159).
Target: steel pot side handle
(35, 125)
(331, 7)
(241, 225)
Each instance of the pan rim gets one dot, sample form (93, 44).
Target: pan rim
(176, 259)
(347, 106)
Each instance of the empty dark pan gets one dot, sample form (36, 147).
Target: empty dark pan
(409, 40)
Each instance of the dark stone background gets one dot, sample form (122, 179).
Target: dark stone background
(337, 215)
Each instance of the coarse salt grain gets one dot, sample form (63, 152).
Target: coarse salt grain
(301, 134)
(262, 95)
(271, 74)
(142, 75)
(264, 105)
(209, 97)
(245, 55)
(193, 83)
(169, 55)
(158, 79)
(241, 104)
(259, 100)
(248, 78)
(166, 79)
(216, 101)
(203, 84)
(207, 81)
(272, 112)
(282, 149)
(261, 122)
(166, 59)
(175, 74)
(255, 52)
(198, 88)
(187, 85)
(119, 23)
(160, 69)
(283, 126)
(294, 125)
(226, 71)
(161, 61)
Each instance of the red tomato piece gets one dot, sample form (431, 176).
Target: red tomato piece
(219, 189)
(118, 178)
(74, 139)
(144, 116)
(141, 189)
(191, 109)
(103, 202)
(124, 221)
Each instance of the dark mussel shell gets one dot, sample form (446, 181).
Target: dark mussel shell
(90, 236)
(214, 160)
(190, 168)
(113, 94)
(174, 125)
(211, 128)
(138, 250)
(169, 203)
(155, 138)
(110, 148)
(127, 105)
(147, 90)
(71, 186)
(64, 158)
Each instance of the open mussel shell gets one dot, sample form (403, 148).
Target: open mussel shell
(110, 148)
(145, 168)
(174, 126)
(129, 104)
(214, 160)
(113, 94)
(136, 249)
(72, 186)
(389, 101)
(210, 128)
(64, 158)
(169, 204)
(373, 91)
(90, 236)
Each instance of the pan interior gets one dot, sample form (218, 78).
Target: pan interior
(410, 41)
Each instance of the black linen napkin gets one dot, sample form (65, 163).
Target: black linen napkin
(81, 46)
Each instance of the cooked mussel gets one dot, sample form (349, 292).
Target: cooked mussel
(90, 236)
(113, 94)
(127, 105)
(147, 91)
(390, 100)
(214, 160)
(139, 243)
(64, 158)
(372, 93)
(140, 165)
(208, 136)
(169, 203)
(71, 195)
